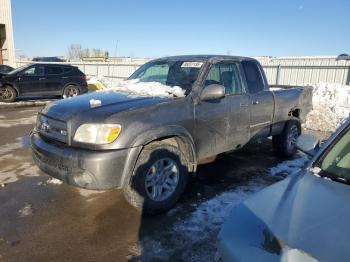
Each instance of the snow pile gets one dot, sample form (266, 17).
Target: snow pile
(290, 167)
(92, 80)
(331, 104)
(110, 82)
(94, 83)
(135, 87)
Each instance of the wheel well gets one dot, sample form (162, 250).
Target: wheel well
(71, 84)
(7, 84)
(184, 145)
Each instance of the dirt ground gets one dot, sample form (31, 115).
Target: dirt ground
(42, 220)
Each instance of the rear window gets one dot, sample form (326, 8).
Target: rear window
(254, 78)
(53, 70)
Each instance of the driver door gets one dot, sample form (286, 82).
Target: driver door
(31, 80)
(222, 124)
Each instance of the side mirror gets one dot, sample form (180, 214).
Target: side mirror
(212, 92)
(308, 144)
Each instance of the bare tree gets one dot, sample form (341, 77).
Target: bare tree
(74, 52)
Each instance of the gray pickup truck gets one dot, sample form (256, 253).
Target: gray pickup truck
(148, 145)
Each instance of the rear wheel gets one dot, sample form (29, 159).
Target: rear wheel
(159, 179)
(285, 143)
(7, 94)
(71, 91)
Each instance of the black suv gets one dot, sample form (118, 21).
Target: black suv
(42, 80)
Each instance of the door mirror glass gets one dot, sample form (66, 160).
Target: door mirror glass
(212, 92)
(308, 144)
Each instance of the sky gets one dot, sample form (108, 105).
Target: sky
(154, 28)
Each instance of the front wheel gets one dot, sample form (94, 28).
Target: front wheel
(285, 144)
(159, 179)
(7, 94)
(71, 91)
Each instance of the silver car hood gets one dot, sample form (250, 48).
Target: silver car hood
(287, 222)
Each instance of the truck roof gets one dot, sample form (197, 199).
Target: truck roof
(203, 58)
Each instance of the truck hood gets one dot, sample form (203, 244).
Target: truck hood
(303, 218)
(106, 104)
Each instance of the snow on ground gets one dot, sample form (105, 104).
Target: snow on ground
(27, 210)
(211, 214)
(9, 147)
(331, 104)
(26, 103)
(13, 172)
(18, 121)
(290, 167)
(135, 87)
(54, 181)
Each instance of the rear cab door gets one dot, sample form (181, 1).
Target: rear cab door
(30, 80)
(261, 100)
(53, 79)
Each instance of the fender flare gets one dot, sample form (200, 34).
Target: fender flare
(152, 135)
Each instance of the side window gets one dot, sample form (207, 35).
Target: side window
(226, 74)
(53, 70)
(34, 71)
(67, 69)
(254, 78)
(30, 71)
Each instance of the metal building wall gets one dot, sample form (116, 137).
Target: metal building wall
(280, 71)
(305, 70)
(8, 45)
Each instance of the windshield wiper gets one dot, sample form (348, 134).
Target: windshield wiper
(324, 174)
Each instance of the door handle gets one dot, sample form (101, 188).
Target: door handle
(255, 102)
(42, 78)
(243, 105)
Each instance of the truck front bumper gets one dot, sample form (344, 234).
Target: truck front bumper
(98, 170)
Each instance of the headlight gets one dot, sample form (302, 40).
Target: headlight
(97, 133)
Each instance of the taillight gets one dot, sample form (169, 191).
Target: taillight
(83, 77)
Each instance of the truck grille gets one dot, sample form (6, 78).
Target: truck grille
(52, 128)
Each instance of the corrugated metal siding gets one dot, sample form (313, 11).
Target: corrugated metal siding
(305, 70)
(282, 71)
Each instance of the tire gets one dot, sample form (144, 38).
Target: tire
(285, 143)
(70, 91)
(148, 176)
(7, 94)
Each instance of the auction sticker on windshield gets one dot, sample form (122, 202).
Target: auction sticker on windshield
(192, 64)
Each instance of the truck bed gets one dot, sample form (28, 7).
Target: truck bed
(289, 97)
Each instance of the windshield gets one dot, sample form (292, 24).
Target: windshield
(170, 73)
(336, 162)
(17, 69)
